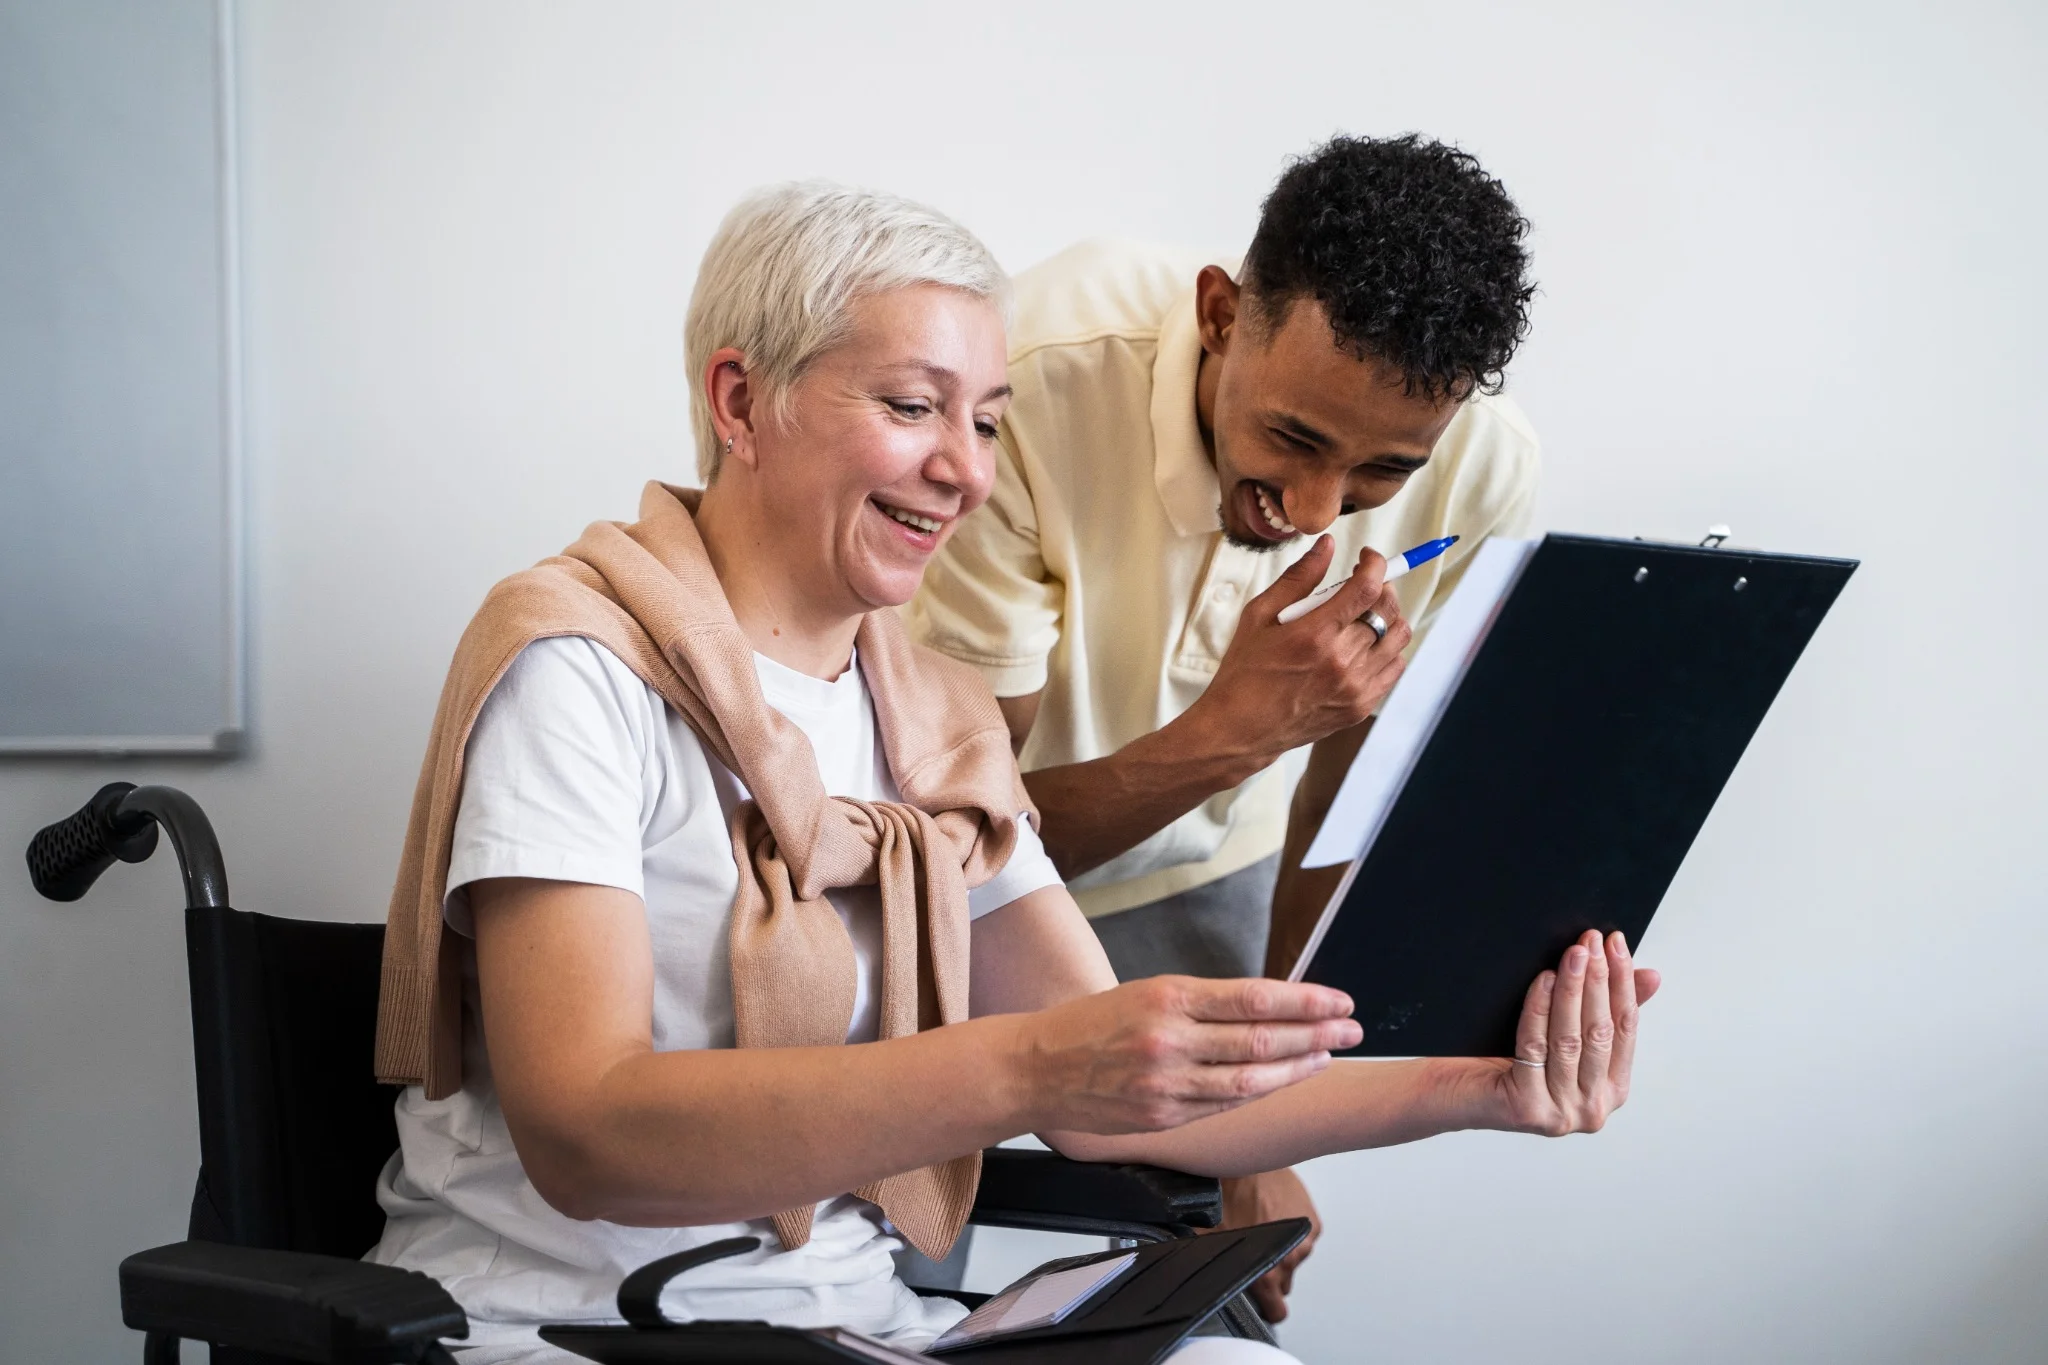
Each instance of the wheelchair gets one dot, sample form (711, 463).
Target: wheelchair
(294, 1130)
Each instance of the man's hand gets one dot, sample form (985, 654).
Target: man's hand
(1277, 687)
(1265, 1199)
(1281, 687)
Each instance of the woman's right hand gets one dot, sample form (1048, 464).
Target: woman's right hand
(1155, 1054)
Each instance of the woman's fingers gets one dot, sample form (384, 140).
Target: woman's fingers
(1598, 1021)
(1622, 973)
(1648, 980)
(1255, 999)
(1225, 1087)
(1532, 1034)
(1566, 1044)
(1269, 1042)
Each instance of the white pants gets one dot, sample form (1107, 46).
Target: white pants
(1194, 1351)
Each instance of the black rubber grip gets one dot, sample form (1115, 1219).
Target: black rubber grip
(66, 858)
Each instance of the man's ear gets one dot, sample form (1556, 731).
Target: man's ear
(1217, 301)
(731, 394)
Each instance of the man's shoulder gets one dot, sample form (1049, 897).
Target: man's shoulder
(1503, 418)
(1100, 288)
(1492, 437)
(1485, 468)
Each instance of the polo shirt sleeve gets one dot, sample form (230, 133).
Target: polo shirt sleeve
(988, 599)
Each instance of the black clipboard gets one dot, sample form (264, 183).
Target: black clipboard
(1605, 708)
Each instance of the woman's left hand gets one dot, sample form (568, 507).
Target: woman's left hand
(1577, 1040)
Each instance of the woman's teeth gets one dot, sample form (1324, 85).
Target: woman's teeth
(1273, 515)
(911, 519)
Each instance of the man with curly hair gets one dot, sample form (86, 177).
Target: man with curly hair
(1195, 444)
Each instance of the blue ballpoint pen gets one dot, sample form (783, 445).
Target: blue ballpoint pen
(1396, 566)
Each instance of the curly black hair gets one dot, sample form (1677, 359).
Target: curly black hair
(1413, 251)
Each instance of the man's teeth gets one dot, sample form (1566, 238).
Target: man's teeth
(911, 519)
(1272, 514)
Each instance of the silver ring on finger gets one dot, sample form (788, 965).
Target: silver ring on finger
(1377, 624)
(1524, 1061)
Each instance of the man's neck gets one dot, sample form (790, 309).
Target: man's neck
(780, 618)
(1207, 375)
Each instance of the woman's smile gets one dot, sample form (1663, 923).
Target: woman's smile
(922, 531)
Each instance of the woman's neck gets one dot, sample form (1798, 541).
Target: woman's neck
(780, 617)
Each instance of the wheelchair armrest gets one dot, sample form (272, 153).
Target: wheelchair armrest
(323, 1309)
(1026, 1188)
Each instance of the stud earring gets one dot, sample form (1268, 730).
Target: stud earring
(728, 445)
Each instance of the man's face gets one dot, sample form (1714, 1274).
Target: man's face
(1301, 431)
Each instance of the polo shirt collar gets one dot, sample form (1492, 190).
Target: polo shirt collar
(1181, 468)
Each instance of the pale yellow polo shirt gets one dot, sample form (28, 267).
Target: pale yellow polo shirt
(1098, 570)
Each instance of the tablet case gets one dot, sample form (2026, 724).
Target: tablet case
(1137, 1319)
(1593, 731)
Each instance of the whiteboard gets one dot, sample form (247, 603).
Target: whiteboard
(121, 597)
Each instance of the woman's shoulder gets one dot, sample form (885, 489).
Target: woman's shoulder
(570, 669)
(573, 690)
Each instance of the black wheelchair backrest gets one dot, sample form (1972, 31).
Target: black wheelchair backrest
(293, 1126)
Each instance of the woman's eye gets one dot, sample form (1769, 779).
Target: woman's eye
(905, 408)
(987, 430)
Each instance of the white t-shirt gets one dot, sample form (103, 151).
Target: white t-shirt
(578, 771)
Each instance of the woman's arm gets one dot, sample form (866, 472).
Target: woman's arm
(607, 1127)
(1581, 1020)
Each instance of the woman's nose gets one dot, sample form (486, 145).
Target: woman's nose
(962, 460)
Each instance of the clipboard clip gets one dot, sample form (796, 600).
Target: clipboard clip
(1716, 533)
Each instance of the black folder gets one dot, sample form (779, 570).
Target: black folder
(1605, 708)
(1137, 1318)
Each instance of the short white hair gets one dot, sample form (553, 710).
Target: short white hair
(781, 277)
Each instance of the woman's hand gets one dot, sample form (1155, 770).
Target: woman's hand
(1576, 1041)
(1155, 1054)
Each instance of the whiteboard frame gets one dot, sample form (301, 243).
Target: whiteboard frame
(231, 736)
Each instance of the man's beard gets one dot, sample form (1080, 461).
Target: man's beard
(1263, 547)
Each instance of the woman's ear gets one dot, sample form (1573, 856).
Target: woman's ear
(731, 394)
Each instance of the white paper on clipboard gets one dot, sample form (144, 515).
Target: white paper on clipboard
(1410, 717)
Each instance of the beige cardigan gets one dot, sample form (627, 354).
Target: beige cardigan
(647, 593)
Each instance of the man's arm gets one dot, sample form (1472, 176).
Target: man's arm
(1278, 687)
(1091, 812)
(1301, 892)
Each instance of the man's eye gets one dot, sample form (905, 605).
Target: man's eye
(1290, 440)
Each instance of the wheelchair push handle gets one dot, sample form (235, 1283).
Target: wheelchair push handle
(120, 824)
(66, 858)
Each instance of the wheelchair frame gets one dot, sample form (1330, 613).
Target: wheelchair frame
(262, 1280)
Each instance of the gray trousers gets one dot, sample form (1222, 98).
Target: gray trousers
(1216, 930)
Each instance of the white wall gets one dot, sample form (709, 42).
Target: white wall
(1791, 281)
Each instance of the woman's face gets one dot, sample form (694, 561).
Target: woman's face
(890, 441)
